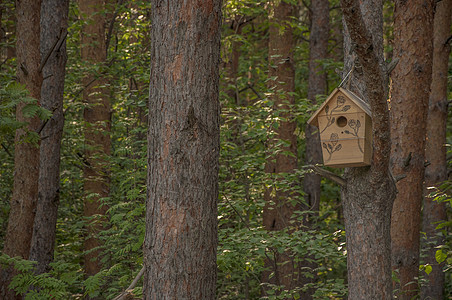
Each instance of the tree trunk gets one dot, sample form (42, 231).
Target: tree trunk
(279, 209)
(183, 151)
(26, 162)
(369, 191)
(413, 31)
(97, 129)
(232, 66)
(435, 149)
(54, 18)
(317, 85)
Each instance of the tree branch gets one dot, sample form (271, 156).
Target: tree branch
(399, 177)
(59, 41)
(128, 291)
(391, 66)
(6, 150)
(237, 213)
(254, 90)
(249, 86)
(112, 23)
(448, 40)
(328, 175)
(43, 124)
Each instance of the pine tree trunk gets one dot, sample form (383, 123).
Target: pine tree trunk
(232, 65)
(26, 162)
(54, 18)
(369, 191)
(183, 151)
(317, 85)
(411, 79)
(435, 150)
(279, 209)
(97, 128)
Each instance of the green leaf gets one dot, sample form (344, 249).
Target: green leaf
(426, 268)
(440, 256)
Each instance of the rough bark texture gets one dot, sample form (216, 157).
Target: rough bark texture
(435, 149)
(97, 128)
(411, 79)
(279, 209)
(183, 151)
(26, 162)
(369, 192)
(317, 85)
(54, 17)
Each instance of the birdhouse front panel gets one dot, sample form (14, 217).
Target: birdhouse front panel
(345, 132)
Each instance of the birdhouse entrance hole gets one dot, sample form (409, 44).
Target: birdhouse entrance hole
(342, 121)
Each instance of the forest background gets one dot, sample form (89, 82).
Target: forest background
(312, 235)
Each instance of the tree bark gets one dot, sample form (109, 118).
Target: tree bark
(411, 79)
(279, 209)
(97, 129)
(435, 149)
(54, 18)
(369, 192)
(183, 151)
(26, 161)
(317, 85)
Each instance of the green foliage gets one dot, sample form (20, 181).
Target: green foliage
(249, 119)
(248, 141)
(12, 94)
(443, 253)
(53, 285)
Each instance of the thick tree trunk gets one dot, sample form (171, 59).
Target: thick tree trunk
(413, 32)
(183, 150)
(97, 128)
(435, 149)
(26, 162)
(54, 18)
(279, 209)
(369, 191)
(317, 85)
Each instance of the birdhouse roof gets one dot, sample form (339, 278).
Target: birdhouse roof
(354, 98)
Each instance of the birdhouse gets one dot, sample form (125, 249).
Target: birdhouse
(345, 127)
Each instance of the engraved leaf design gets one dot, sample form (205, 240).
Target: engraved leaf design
(346, 107)
(347, 132)
(334, 138)
(327, 109)
(325, 146)
(333, 119)
(358, 124)
(338, 147)
(340, 100)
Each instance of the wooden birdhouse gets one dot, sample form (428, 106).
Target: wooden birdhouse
(345, 127)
